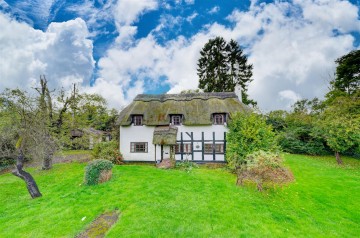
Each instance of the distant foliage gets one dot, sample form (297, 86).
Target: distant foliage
(108, 151)
(77, 143)
(296, 131)
(264, 169)
(248, 132)
(98, 171)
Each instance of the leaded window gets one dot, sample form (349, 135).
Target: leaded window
(138, 147)
(176, 120)
(218, 119)
(137, 120)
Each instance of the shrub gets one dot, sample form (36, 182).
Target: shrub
(186, 165)
(264, 168)
(248, 132)
(109, 151)
(98, 171)
(301, 141)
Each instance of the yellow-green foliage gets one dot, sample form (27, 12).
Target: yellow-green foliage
(248, 132)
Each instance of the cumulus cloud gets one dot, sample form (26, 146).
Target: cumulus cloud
(62, 53)
(292, 46)
(126, 12)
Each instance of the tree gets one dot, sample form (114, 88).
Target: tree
(347, 76)
(222, 66)
(19, 136)
(296, 130)
(340, 124)
(247, 133)
(45, 124)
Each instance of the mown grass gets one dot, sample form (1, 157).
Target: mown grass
(322, 202)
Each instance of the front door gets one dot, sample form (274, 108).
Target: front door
(165, 152)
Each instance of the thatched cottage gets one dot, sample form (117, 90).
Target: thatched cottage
(186, 126)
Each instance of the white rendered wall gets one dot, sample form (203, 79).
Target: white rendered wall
(145, 134)
(133, 133)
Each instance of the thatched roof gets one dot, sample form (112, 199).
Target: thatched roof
(196, 108)
(165, 135)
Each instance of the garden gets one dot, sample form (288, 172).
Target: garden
(203, 202)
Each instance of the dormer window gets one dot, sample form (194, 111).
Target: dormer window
(176, 120)
(138, 120)
(218, 119)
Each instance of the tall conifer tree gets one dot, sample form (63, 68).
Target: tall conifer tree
(222, 66)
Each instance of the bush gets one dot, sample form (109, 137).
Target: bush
(98, 171)
(301, 141)
(186, 165)
(248, 132)
(109, 151)
(264, 168)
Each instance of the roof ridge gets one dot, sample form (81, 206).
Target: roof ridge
(184, 97)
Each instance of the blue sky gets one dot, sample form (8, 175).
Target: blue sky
(121, 48)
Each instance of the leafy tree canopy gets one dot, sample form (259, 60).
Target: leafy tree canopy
(248, 133)
(222, 66)
(347, 75)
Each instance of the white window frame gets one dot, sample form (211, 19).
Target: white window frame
(219, 117)
(135, 147)
(138, 120)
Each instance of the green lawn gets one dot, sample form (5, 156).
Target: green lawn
(324, 201)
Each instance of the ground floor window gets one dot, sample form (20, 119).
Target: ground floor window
(139, 147)
(208, 148)
(186, 148)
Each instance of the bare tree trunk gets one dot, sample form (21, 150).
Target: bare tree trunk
(47, 163)
(338, 159)
(28, 179)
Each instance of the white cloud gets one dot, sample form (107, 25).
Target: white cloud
(95, 17)
(190, 2)
(214, 10)
(63, 53)
(291, 47)
(126, 12)
(192, 17)
(289, 96)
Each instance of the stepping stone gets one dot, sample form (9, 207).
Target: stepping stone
(100, 225)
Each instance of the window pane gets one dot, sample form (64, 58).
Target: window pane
(219, 148)
(186, 148)
(208, 148)
(176, 120)
(138, 147)
(218, 119)
(137, 120)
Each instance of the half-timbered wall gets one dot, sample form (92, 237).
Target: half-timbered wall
(200, 139)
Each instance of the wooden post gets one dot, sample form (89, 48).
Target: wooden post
(192, 146)
(224, 146)
(202, 145)
(182, 146)
(213, 146)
